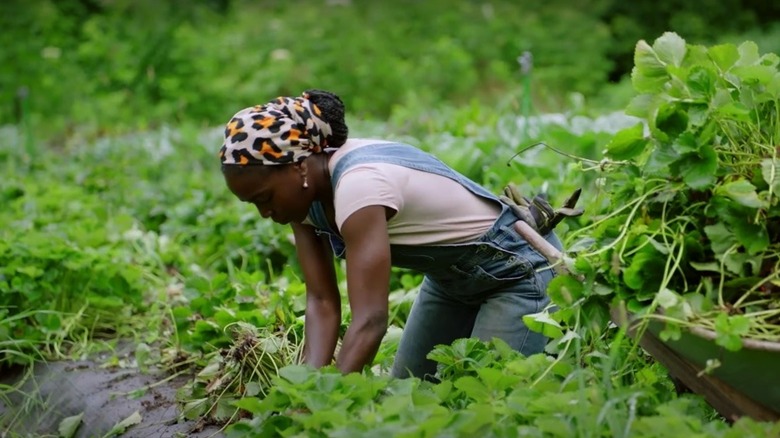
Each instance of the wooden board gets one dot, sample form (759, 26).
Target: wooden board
(727, 400)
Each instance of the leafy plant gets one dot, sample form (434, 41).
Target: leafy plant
(64, 276)
(690, 235)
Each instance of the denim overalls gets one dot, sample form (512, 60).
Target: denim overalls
(477, 289)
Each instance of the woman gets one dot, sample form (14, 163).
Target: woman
(380, 203)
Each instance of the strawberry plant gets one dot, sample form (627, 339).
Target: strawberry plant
(487, 389)
(691, 233)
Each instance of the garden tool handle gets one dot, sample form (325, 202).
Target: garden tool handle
(553, 255)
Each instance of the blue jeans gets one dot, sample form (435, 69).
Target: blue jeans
(481, 289)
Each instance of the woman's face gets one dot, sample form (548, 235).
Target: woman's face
(276, 191)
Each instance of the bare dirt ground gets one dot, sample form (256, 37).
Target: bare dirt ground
(51, 392)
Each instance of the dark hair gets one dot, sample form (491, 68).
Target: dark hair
(332, 112)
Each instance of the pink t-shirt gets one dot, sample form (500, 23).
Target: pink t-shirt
(430, 209)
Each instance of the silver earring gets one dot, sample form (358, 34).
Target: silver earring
(305, 183)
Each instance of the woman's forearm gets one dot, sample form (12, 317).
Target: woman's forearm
(361, 342)
(323, 319)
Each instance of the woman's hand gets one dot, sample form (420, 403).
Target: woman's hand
(323, 302)
(368, 276)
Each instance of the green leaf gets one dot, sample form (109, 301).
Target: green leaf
(142, 355)
(730, 330)
(698, 115)
(773, 87)
(542, 323)
(724, 55)
(224, 409)
(425, 398)
(649, 73)
(742, 192)
(705, 267)
(754, 237)
(627, 143)
(644, 270)
(635, 306)
(295, 374)
(740, 324)
(698, 169)
(722, 98)
(122, 426)
(195, 409)
(720, 237)
(473, 388)
(250, 404)
(670, 48)
(729, 342)
(755, 74)
(748, 53)
(770, 60)
(497, 380)
(565, 290)
(734, 110)
(68, 426)
(432, 426)
(320, 419)
(443, 390)
(642, 105)
(770, 171)
(253, 389)
(670, 332)
(735, 262)
(686, 143)
(671, 120)
(395, 404)
(701, 82)
(659, 162)
(666, 298)
(224, 317)
(275, 401)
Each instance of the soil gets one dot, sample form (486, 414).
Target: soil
(53, 391)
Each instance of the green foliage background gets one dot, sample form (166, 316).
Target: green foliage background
(128, 65)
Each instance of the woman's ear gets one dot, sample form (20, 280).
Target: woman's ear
(301, 167)
(303, 172)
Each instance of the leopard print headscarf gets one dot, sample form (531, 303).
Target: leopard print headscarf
(283, 131)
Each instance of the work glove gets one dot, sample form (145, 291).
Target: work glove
(537, 212)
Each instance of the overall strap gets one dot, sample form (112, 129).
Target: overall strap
(317, 216)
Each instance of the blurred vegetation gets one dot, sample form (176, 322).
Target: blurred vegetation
(118, 65)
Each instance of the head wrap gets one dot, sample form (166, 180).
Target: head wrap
(283, 131)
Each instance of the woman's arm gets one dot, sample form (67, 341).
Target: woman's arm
(323, 302)
(368, 277)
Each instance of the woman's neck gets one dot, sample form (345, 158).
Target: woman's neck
(319, 175)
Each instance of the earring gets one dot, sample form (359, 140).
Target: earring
(305, 183)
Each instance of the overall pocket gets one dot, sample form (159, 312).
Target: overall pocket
(489, 264)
